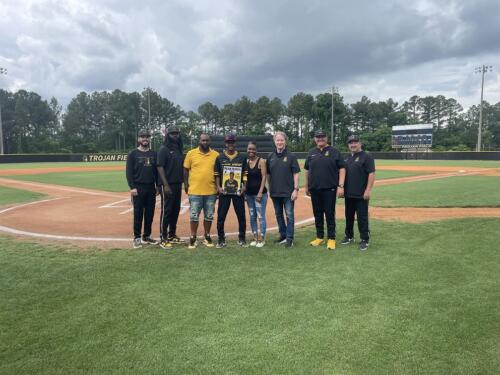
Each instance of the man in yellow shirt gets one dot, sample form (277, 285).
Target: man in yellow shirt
(199, 184)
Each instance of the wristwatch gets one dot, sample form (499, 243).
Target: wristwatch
(341, 186)
(297, 189)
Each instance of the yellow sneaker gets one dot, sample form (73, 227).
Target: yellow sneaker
(330, 245)
(316, 242)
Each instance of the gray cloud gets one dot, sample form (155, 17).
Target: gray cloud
(194, 51)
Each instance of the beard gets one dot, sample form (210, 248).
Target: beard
(204, 147)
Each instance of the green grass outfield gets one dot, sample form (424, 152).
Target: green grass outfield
(452, 163)
(10, 195)
(444, 163)
(423, 299)
(460, 191)
(59, 165)
(115, 181)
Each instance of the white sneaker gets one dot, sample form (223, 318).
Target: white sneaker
(137, 243)
(253, 243)
(260, 244)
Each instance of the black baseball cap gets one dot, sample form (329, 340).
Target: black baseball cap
(230, 138)
(173, 129)
(320, 133)
(353, 138)
(144, 133)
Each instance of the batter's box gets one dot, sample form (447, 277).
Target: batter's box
(126, 203)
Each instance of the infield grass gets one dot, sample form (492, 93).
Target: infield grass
(460, 191)
(113, 181)
(423, 299)
(60, 165)
(10, 195)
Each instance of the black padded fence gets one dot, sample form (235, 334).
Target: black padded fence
(263, 149)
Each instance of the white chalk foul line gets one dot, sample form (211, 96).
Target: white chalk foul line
(114, 204)
(30, 204)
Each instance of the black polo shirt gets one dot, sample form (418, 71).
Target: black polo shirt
(358, 167)
(281, 167)
(171, 159)
(323, 167)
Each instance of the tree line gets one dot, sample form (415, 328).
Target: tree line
(104, 121)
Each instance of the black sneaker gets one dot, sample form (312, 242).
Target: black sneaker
(280, 241)
(242, 243)
(221, 244)
(347, 241)
(175, 239)
(149, 241)
(192, 242)
(288, 243)
(363, 245)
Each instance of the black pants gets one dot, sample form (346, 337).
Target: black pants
(170, 208)
(358, 207)
(323, 203)
(144, 208)
(223, 208)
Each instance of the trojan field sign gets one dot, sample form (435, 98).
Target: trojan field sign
(412, 136)
(104, 157)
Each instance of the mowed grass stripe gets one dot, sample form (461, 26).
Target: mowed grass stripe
(459, 191)
(423, 299)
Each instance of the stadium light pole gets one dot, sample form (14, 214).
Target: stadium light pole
(333, 131)
(3, 71)
(482, 69)
(149, 108)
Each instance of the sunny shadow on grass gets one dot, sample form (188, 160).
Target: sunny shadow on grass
(423, 299)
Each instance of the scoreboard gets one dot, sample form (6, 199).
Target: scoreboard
(412, 136)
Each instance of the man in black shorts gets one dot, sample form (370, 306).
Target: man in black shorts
(141, 178)
(360, 177)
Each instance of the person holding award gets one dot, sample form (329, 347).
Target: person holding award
(230, 177)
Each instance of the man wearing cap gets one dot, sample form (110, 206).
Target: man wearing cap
(141, 175)
(360, 177)
(230, 173)
(171, 176)
(324, 181)
(199, 184)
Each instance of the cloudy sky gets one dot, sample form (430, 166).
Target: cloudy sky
(192, 51)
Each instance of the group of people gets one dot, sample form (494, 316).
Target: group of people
(234, 178)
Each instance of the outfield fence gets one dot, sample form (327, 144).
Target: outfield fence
(113, 157)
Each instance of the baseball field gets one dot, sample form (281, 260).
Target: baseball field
(424, 299)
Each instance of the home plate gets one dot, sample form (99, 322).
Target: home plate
(462, 171)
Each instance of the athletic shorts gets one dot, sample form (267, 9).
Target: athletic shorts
(202, 202)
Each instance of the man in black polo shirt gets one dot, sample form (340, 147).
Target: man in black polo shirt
(283, 170)
(324, 176)
(360, 177)
(141, 178)
(171, 176)
(230, 172)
